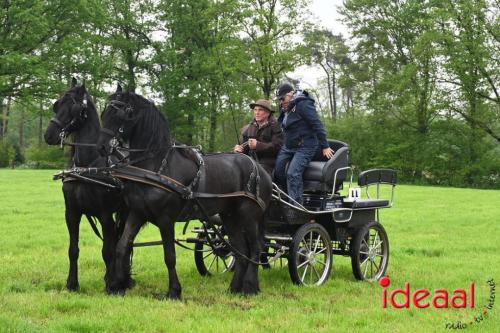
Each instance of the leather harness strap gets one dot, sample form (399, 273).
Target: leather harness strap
(169, 184)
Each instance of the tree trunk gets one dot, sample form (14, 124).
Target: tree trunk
(5, 120)
(191, 127)
(334, 97)
(213, 120)
(330, 97)
(130, 71)
(40, 125)
(21, 130)
(351, 96)
(2, 108)
(330, 94)
(267, 88)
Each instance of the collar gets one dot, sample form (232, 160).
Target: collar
(262, 125)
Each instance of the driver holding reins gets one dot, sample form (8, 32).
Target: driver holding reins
(263, 137)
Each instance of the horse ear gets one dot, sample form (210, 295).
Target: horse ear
(118, 88)
(73, 82)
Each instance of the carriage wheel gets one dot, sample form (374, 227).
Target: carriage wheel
(370, 252)
(216, 260)
(310, 257)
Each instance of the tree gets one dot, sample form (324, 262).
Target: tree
(470, 44)
(200, 68)
(271, 29)
(31, 42)
(396, 48)
(330, 52)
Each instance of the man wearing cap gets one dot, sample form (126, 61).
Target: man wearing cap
(263, 137)
(304, 134)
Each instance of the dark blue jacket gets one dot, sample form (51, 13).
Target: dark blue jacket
(303, 128)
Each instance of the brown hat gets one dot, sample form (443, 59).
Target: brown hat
(263, 103)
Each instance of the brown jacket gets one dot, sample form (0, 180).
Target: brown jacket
(269, 141)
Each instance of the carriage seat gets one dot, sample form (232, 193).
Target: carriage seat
(319, 174)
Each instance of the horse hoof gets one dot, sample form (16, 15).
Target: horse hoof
(174, 294)
(250, 289)
(130, 283)
(234, 290)
(167, 296)
(251, 292)
(72, 286)
(236, 286)
(116, 292)
(115, 288)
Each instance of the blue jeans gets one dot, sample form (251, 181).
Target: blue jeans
(292, 178)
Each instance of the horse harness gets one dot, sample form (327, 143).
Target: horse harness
(188, 192)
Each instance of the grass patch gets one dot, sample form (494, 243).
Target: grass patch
(440, 238)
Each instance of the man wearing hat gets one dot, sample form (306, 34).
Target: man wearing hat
(304, 134)
(263, 137)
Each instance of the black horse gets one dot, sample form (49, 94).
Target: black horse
(75, 114)
(130, 117)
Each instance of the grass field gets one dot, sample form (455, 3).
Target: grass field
(440, 238)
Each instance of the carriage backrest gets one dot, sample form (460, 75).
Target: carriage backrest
(320, 174)
(334, 144)
(339, 160)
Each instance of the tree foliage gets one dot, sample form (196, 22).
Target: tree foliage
(416, 87)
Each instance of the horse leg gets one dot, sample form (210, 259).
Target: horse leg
(110, 239)
(122, 279)
(167, 231)
(73, 224)
(254, 242)
(237, 241)
(121, 218)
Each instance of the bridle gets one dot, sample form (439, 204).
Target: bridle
(75, 124)
(116, 142)
(123, 110)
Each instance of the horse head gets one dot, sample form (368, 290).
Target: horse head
(71, 113)
(129, 117)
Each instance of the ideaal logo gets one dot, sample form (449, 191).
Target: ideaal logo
(460, 298)
(439, 299)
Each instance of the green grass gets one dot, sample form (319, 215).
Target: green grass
(440, 238)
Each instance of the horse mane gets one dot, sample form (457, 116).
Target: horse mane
(150, 120)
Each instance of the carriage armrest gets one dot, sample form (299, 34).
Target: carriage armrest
(377, 176)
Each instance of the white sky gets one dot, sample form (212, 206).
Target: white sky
(325, 11)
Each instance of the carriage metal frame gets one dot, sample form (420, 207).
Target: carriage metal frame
(308, 235)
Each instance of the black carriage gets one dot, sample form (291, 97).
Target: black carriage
(328, 223)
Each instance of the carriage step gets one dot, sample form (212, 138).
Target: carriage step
(278, 237)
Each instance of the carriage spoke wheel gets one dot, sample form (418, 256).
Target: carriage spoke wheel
(213, 260)
(310, 257)
(370, 252)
